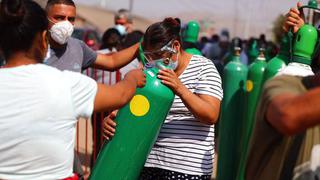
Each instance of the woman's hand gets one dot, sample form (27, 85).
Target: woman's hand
(109, 125)
(169, 78)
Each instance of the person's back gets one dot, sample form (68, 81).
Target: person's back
(39, 107)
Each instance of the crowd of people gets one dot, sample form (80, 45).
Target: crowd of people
(43, 94)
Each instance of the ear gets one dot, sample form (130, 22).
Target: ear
(44, 39)
(176, 45)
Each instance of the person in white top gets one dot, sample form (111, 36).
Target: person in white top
(39, 105)
(184, 148)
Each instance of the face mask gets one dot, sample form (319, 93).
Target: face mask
(121, 29)
(61, 31)
(154, 63)
(165, 61)
(174, 64)
(162, 62)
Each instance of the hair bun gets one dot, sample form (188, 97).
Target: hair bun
(173, 23)
(12, 11)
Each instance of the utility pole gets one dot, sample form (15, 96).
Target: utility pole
(130, 6)
(103, 3)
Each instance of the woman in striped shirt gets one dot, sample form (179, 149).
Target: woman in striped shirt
(185, 146)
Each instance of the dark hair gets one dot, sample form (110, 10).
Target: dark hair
(20, 21)
(123, 13)
(111, 38)
(66, 2)
(159, 34)
(132, 38)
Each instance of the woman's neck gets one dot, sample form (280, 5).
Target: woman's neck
(19, 59)
(184, 59)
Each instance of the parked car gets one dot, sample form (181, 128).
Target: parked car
(89, 36)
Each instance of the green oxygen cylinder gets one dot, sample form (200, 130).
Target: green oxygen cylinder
(304, 44)
(236, 42)
(255, 78)
(234, 80)
(138, 125)
(303, 50)
(191, 33)
(253, 51)
(278, 62)
(193, 51)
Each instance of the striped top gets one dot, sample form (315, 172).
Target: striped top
(185, 144)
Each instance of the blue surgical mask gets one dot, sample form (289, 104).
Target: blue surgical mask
(174, 64)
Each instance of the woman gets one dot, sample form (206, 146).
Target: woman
(40, 105)
(185, 146)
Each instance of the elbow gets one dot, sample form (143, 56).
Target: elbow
(212, 116)
(213, 120)
(289, 126)
(210, 120)
(285, 123)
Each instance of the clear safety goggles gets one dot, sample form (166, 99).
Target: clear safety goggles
(160, 57)
(163, 53)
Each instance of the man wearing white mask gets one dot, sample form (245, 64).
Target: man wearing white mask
(123, 22)
(67, 53)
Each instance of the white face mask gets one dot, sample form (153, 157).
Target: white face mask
(61, 31)
(121, 29)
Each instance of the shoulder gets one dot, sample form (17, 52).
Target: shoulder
(201, 60)
(73, 42)
(285, 81)
(48, 70)
(203, 63)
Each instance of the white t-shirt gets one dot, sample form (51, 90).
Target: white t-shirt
(39, 107)
(296, 69)
(185, 144)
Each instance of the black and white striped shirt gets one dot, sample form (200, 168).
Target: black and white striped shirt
(185, 144)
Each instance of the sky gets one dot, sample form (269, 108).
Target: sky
(243, 18)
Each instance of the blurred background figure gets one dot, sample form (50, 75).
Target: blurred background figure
(123, 22)
(129, 40)
(212, 49)
(111, 41)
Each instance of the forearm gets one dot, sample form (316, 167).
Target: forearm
(205, 112)
(116, 60)
(115, 96)
(293, 114)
